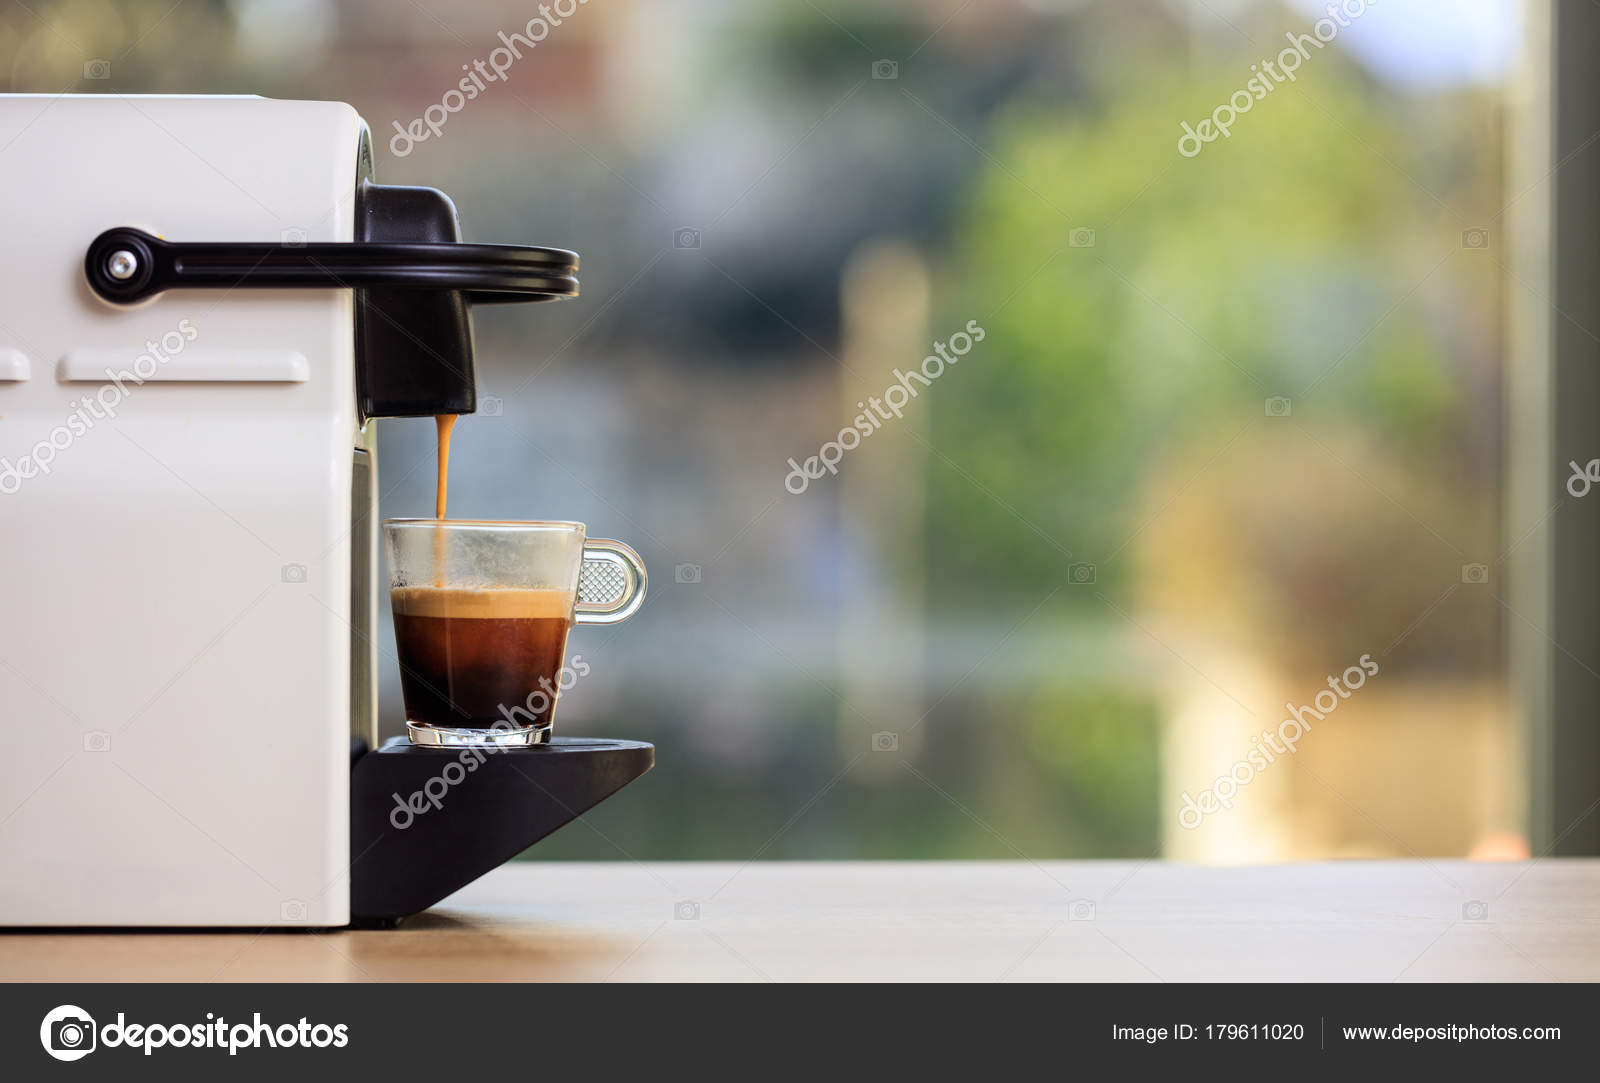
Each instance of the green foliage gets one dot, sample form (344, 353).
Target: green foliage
(1099, 744)
(1264, 266)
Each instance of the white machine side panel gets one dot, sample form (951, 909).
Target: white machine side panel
(174, 650)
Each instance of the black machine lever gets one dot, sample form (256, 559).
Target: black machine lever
(415, 284)
(127, 265)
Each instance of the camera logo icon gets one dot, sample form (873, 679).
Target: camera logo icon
(491, 406)
(1081, 238)
(97, 69)
(292, 910)
(293, 237)
(686, 237)
(1080, 910)
(885, 741)
(687, 573)
(1081, 573)
(1474, 238)
(1474, 573)
(885, 69)
(1279, 406)
(1474, 910)
(67, 1033)
(687, 910)
(294, 573)
(97, 741)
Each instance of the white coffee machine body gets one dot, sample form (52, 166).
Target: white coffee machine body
(182, 652)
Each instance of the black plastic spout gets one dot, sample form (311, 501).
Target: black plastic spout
(413, 348)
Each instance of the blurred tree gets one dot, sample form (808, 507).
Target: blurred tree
(1143, 306)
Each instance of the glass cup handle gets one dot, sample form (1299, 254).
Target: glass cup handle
(611, 583)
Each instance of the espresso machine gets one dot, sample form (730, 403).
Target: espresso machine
(205, 302)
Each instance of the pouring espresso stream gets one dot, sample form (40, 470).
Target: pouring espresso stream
(446, 424)
(476, 656)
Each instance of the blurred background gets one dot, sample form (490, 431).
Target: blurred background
(1235, 422)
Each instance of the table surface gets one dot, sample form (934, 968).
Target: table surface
(979, 921)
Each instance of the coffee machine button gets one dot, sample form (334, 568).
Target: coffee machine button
(14, 366)
(94, 364)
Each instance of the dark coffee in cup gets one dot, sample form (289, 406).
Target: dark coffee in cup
(481, 615)
(474, 657)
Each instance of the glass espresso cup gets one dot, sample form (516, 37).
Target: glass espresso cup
(481, 615)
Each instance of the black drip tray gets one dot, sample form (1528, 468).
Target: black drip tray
(425, 822)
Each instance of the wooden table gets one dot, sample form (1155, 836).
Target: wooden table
(982, 921)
